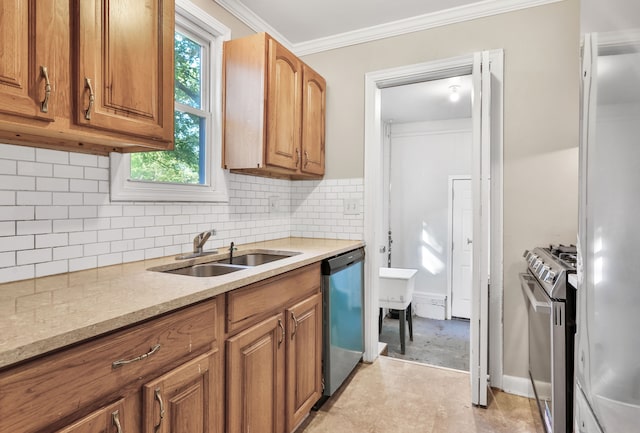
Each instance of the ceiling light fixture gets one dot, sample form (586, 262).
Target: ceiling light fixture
(454, 96)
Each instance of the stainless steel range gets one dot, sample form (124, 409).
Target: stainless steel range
(551, 304)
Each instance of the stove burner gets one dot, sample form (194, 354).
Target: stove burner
(566, 254)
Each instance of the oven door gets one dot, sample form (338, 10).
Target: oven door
(539, 309)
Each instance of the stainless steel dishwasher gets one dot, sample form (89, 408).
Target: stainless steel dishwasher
(343, 297)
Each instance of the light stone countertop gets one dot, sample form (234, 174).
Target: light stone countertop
(43, 314)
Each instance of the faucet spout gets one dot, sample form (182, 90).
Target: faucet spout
(200, 239)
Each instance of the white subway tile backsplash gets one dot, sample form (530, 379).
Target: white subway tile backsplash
(53, 156)
(83, 159)
(16, 213)
(51, 268)
(82, 263)
(81, 185)
(27, 257)
(7, 198)
(67, 198)
(22, 153)
(28, 168)
(68, 171)
(52, 212)
(25, 198)
(68, 252)
(8, 166)
(52, 240)
(17, 183)
(69, 214)
(7, 259)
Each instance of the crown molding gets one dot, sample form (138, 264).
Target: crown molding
(247, 16)
(394, 28)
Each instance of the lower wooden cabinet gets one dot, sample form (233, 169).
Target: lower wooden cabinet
(255, 378)
(304, 359)
(183, 400)
(107, 419)
(274, 368)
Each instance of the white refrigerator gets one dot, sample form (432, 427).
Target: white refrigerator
(607, 357)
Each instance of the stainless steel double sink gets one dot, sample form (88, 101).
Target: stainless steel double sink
(228, 264)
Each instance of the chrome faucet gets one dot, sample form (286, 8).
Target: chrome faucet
(200, 239)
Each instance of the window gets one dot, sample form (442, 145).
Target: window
(190, 172)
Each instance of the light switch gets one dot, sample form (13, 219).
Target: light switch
(351, 206)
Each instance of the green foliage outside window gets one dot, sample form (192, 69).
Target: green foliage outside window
(181, 165)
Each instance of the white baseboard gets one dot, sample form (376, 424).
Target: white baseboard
(517, 385)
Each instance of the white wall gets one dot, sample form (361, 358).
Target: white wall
(56, 215)
(423, 155)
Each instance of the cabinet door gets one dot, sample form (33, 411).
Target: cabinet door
(255, 378)
(124, 66)
(108, 419)
(184, 399)
(283, 107)
(27, 36)
(304, 358)
(313, 121)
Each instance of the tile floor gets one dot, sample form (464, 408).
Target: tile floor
(392, 395)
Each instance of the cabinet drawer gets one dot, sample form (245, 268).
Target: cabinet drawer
(45, 391)
(255, 302)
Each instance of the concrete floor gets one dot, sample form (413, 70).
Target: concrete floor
(392, 395)
(443, 343)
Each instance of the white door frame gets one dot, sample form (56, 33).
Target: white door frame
(375, 233)
(452, 178)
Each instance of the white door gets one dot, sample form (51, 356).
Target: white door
(462, 248)
(481, 166)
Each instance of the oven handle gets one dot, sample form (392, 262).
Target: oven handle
(538, 306)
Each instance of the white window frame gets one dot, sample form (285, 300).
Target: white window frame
(214, 189)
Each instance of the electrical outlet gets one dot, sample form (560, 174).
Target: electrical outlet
(274, 205)
(351, 206)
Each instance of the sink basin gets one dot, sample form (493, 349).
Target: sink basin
(256, 259)
(207, 270)
(222, 266)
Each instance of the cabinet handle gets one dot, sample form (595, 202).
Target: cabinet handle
(115, 418)
(121, 362)
(282, 331)
(306, 159)
(158, 397)
(44, 105)
(297, 156)
(295, 324)
(92, 98)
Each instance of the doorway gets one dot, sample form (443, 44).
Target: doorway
(487, 157)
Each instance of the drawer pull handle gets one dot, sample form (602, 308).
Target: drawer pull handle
(297, 156)
(282, 331)
(306, 159)
(121, 362)
(92, 98)
(158, 397)
(44, 105)
(295, 324)
(115, 417)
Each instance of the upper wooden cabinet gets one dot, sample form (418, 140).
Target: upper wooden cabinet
(274, 111)
(124, 66)
(87, 75)
(28, 67)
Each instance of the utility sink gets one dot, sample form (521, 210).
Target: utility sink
(228, 264)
